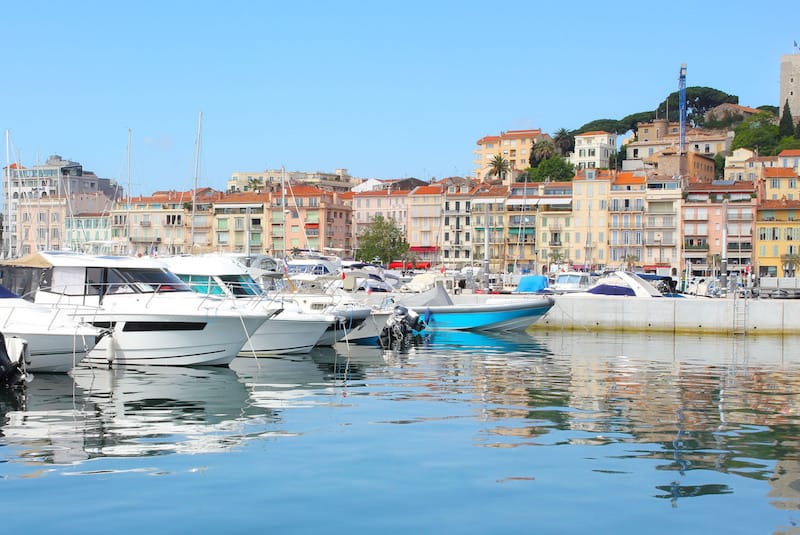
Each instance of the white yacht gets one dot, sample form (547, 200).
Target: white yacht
(55, 341)
(152, 317)
(289, 330)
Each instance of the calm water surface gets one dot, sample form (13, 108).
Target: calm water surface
(542, 433)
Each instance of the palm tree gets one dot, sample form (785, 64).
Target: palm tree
(564, 141)
(544, 150)
(498, 167)
(255, 184)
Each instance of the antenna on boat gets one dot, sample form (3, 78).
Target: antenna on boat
(196, 172)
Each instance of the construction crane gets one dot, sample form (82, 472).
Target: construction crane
(682, 108)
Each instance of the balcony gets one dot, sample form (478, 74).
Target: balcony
(554, 243)
(695, 247)
(144, 223)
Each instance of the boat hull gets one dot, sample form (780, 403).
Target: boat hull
(285, 334)
(491, 315)
(172, 340)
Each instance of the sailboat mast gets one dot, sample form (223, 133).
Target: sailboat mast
(196, 173)
(130, 197)
(7, 202)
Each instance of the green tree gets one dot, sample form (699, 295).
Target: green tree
(797, 131)
(698, 101)
(787, 143)
(383, 239)
(498, 167)
(719, 165)
(542, 151)
(773, 110)
(255, 184)
(555, 169)
(603, 125)
(564, 141)
(758, 131)
(786, 126)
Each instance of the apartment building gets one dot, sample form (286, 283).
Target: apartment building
(154, 224)
(593, 150)
(457, 245)
(554, 225)
(488, 226)
(390, 203)
(521, 216)
(591, 193)
(55, 177)
(790, 157)
(779, 183)
(662, 224)
(514, 146)
(240, 181)
(716, 216)
(653, 138)
(425, 216)
(626, 212)
(777, 237)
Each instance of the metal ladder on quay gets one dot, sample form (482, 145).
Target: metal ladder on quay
(740, 314)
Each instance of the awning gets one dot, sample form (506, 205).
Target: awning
(529, 231)
(522, 202)
(555, 201)
(424, 249)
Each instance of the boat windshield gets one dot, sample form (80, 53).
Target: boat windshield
(203, 284)
(144, 280)
(242, 285)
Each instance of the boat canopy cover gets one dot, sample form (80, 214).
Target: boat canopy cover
(34, 260)
(5, 293)
(531, 283)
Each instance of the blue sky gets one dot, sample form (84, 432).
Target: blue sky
(386, 90)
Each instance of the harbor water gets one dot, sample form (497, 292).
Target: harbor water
(543, 432)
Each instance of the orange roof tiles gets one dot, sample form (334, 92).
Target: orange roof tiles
(779, 172)
(427, 190)
(593, 133)
(777, 204)
(790, 152)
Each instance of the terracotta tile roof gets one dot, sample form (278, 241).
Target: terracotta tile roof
(779, 172)
(427, 190)
(512, 134)
(722, 186)
(629, 177)
(778, 204)
(593, 133)
(789, 152)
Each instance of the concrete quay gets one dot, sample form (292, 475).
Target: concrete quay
(687, 315)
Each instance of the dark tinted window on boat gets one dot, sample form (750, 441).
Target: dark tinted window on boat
(152, 280)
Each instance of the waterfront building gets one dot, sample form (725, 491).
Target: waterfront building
(424, 224)
(521, 216)
(626, 205)
(315, 219)
(591, 193)
(515, 146)
(239, 222)
(717, 215)
(488, 228)
(56, 222)
(662, 224)
(151, 224)
(593, 150)
(390, 203)
(790, 85)
(55, 177)
(553, 225)
(777, 238)
(456, 247)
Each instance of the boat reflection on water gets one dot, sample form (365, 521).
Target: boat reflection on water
(45, 420)
(507, 343)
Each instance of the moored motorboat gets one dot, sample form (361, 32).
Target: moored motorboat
(152, 317)
(55, 342)
(289, 329)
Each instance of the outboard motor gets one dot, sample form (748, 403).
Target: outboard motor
(12, 369)
(400, 326)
